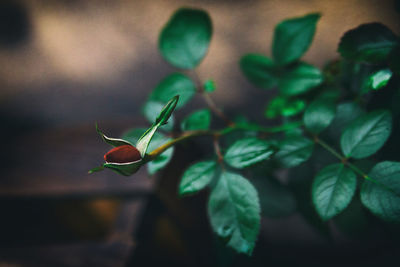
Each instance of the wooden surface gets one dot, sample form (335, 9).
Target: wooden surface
(55, 214)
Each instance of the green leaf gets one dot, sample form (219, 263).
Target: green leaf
(112, 141)
(370, 43)
(198, 120)
(184, 40)
(377, 80)
(382, 195)
(234, 212)
(158, 139)
(248, 151)
(333, 189)
(292, 38)
(197, 177)
(367, 134)
(172, 85)
(300, 79)
(282, 106)
(259, 70)
(294, 150)
(319, 115)
(209, 86)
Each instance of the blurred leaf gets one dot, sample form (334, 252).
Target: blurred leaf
(367, 134)
(300, 79)
(174, 84)
(292, 38)
(370, 43)
(333, 189)
(259, 70)
(197, 177)
(319, 114)
(282, 106)
(184, 40)
(377, 80)
(294, 150)
(209, 86)
(198, 120)
(346, 112)
(234, 212)
(382, 195)
(248, 151)
(158, 139)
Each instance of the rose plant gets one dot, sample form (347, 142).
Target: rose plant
(335, 135)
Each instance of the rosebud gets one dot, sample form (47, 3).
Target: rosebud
(123, 154)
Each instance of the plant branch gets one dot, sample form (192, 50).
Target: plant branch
(217, 133)
(343, 159)
(210, 103)
(217, 149)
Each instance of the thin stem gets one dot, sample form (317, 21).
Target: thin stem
(274, 129)
(329, 149)
(153, 154)
(210, 103)
(217, 149)
(217, 133)
(343, 159)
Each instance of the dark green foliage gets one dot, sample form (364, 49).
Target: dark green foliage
(370, 43)
(322, 129)
(381, 194)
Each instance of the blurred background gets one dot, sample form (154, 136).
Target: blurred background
(65, 65)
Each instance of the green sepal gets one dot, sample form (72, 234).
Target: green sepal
(157, 140)
(167, 110)
(125, 169)
(112, 141)
(96, 169)
(144, 141)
